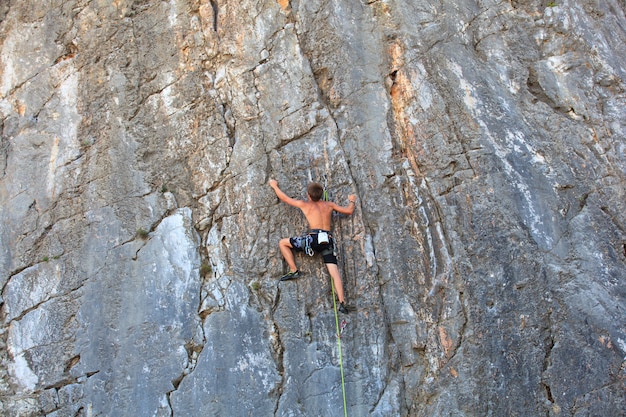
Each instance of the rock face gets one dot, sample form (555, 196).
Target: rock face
(138, 243)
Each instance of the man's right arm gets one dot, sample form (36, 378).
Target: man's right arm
(349, 209)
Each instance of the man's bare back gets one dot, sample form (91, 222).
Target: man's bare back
(317, 213)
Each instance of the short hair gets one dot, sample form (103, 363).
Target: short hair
(315, 191)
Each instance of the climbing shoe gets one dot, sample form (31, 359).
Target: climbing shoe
(343, 308)
(290, 275)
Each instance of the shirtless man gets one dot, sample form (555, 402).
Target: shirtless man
(318, 213)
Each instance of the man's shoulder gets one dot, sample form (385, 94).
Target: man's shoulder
(323, 203)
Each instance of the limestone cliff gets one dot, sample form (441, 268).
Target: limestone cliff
(486, 259)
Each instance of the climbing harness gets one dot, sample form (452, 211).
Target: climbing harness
(339, 331)
(322, 238)
(307, 245)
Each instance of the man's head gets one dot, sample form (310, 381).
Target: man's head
(315, 191)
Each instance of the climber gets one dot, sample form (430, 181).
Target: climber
(318, 213)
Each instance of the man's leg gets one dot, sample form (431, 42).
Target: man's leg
(285, 249)
(333, 270)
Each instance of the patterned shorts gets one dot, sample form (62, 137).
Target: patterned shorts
(309, 240)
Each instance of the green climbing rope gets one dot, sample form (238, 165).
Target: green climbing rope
(343, 385)
(332, 284)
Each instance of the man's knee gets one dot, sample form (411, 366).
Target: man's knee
(332, 268)
(285, 242)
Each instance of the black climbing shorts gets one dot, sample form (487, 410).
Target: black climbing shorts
(309, 240)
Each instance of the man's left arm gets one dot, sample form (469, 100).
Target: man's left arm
(284, 197)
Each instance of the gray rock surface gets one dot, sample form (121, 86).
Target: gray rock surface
(138, 237)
